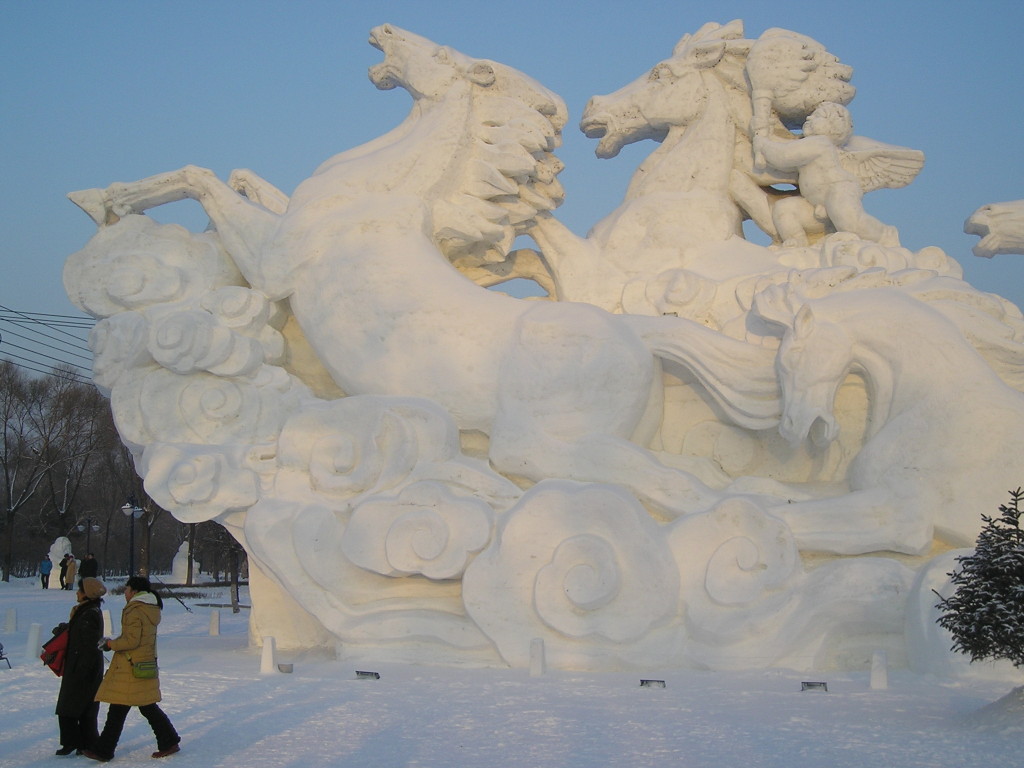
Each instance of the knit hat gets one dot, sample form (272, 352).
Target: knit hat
(93, 588)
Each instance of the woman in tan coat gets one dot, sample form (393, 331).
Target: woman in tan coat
(69, 576)
(121, 688)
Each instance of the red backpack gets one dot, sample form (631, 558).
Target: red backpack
(54, 651)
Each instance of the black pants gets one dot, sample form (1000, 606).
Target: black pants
(45, 578)
(166, 736)
(79, 732)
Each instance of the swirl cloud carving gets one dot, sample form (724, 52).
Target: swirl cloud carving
(583, 568)
(425, 530)
(199, 484)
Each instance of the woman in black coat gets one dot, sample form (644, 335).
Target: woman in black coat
(77, 708)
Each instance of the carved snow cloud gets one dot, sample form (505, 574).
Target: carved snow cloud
(425, 530)
(581, 567)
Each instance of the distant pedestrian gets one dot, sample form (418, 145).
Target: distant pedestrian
(45, 569)
(90, 567)
(69, 577)
(64, 571)
(77, 708)
(122, 687)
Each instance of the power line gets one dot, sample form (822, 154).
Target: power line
(55, 323)
(26, 350)
(53, 345)
(86, 357)
(72, 321)
(57, 373)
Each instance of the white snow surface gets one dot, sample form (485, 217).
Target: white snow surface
(228, 714)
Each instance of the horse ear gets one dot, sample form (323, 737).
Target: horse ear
(803, 323)
(481, 73)
(680, 47)
(443, 54)
(708, 54)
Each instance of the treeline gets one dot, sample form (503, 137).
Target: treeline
(66, 473)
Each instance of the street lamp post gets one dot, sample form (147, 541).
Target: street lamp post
(89, 527)
(133, 512)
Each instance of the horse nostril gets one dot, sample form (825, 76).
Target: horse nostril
(823, 431)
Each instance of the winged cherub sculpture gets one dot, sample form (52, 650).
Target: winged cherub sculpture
(834, 169)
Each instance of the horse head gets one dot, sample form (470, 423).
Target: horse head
(428, 71)
(423, 68)
(812, 363)
(1000, 227)
(675, 92)
(504, 128)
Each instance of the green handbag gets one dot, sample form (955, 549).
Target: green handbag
(144, 670)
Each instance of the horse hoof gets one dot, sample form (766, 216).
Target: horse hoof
(94, 202)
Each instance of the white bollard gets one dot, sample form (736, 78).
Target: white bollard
(879, 671)
(215, 623)
(32, 646)
(11, 622)
(267, 664)
(537, 665)
(108, 624)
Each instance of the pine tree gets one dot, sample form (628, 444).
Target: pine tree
(986, 613)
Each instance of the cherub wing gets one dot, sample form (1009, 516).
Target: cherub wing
(877, 165)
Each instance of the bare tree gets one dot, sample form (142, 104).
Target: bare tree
(23, 459)
(61, 460)
(191, 553)
(63, 464)
(81, 415)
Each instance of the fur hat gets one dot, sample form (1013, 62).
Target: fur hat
(93, 588)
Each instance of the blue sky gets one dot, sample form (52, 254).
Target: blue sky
(95, 92)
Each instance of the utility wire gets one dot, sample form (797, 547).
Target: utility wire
(43, 333)
(86, 357)
(70, 321)
(56, 360)
(55, 323)
(55, 373)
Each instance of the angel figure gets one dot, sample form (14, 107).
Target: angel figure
(834, 169)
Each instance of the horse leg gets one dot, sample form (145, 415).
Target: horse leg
(259, 190)
(242, 225)
(859, 522)
(578, 271)
(108, 206)
(753, 201)
(529, 451)
(574, 386)
(521, 264)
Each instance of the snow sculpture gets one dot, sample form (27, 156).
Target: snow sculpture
(422, 469)
(833, 176)
(61, 546)
(897, 504)
(179, 566)
(1000, 227)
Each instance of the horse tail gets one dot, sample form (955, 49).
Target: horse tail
(739, 377)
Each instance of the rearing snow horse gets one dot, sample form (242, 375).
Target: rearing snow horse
(694, 190)
(679, 197)
(364, 249)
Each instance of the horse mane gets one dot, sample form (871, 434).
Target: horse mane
(730, 71)
(486, 132)
(990, 324)
(727, 43)
(508, 176)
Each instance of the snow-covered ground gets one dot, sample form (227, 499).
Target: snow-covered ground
(322, 715)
